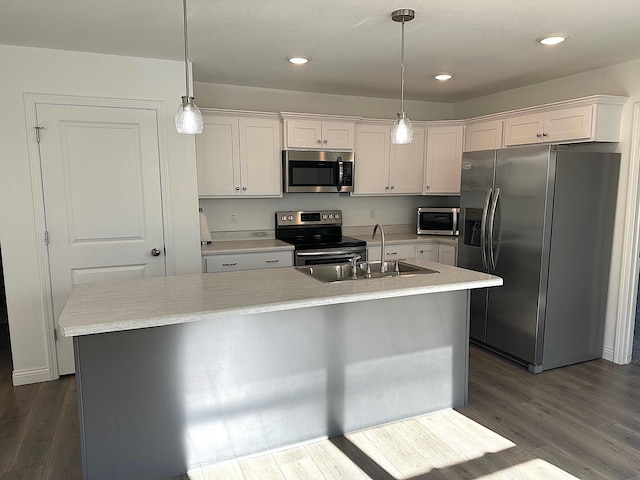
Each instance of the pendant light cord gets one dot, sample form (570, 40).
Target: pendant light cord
(401, 70)
(186, 47)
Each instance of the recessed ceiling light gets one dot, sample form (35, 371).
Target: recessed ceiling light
(443, 76)
(298, 59)
(552, 39)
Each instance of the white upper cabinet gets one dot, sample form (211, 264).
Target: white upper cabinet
(483, 136)
(239, 156)
(385, 169)
(567, 124)
(443, 160)
(318, 133)
(588, 119)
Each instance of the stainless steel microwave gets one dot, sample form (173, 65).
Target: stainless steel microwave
(438, 221)
(317, 171)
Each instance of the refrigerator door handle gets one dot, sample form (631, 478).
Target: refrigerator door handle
(493, 253)
(483, 229)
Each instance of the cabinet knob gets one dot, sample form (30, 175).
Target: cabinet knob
(318, 141)
(387, 187)
(237, 188)
(324, 141)
(244, 188)
(428, 187)
(421, 251)
(392, 187)
(545, 134)
(538, 135)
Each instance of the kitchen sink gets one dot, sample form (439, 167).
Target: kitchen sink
(344, 272)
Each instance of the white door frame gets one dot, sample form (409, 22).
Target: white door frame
(630, 268)
(30, 102)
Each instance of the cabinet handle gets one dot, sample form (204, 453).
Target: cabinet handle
(392, 253)
(272, 261)
(237, 188)
(318, 141)
(545, 134)
(387, 187)
(324, 141)
(538, 135)
(230, 264)
(392, 187)
(421, 251)
(244, 188)
(428, 187)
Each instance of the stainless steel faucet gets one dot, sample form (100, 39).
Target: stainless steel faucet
(382, 247)
(354, 267)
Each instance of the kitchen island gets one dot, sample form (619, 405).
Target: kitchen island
(177, 372)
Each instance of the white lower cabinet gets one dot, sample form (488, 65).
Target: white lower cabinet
(427, 251)
(247, 261)
(394, 251)
(448, 254)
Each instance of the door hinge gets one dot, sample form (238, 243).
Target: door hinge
(46, 237)
(38, 133)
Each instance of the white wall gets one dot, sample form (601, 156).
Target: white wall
(621, 79)
(271, 100)
(42, 71)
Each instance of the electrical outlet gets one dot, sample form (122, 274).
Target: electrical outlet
(372, 213)
(233, 218)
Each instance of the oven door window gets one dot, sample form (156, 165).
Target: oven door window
(313, 174)
(436, 221)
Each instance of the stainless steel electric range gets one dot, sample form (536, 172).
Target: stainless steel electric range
(317, 237)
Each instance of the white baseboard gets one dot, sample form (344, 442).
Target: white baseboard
(34, 375)
(607, 354)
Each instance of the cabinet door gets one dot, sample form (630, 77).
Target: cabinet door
(523, 130)
(443, 161)
(427, 251)
(217, 157)
(248, 261)
(303, 133)
(337, 135)
(372, 160)
(483, 136)
(568, 124)
(406, 166)
(261, 167)
(447, 254)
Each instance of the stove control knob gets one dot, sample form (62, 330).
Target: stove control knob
(336, 216)
(331, 216)
(283, 218)
(290, 217)
(324, 216)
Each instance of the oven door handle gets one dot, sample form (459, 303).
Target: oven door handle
(326, 253)
(340, 173)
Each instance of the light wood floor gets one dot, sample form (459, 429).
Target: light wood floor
(581, 422)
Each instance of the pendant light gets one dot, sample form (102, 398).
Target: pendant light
(188, 116)
(402, 131)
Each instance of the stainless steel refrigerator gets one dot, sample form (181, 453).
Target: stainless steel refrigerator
(540, 217)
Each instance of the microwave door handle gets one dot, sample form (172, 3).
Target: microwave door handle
(483, 229)
(340, 174)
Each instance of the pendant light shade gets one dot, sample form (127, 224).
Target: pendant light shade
(188, 116)
(402, 131)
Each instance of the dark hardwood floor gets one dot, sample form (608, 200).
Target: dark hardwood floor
(584, 419)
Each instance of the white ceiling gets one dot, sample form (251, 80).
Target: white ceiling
(355, 46)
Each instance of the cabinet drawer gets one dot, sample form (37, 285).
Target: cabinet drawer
(248, 261)
(392, 252)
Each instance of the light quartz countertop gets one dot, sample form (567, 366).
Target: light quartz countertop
(157, 301)
(244, 246)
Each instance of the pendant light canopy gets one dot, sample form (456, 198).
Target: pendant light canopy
(188, 116)
(402, 131)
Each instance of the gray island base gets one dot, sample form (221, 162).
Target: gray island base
(161, 400)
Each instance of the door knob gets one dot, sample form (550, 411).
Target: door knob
(155, 252)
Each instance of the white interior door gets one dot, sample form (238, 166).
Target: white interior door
(102, 196)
